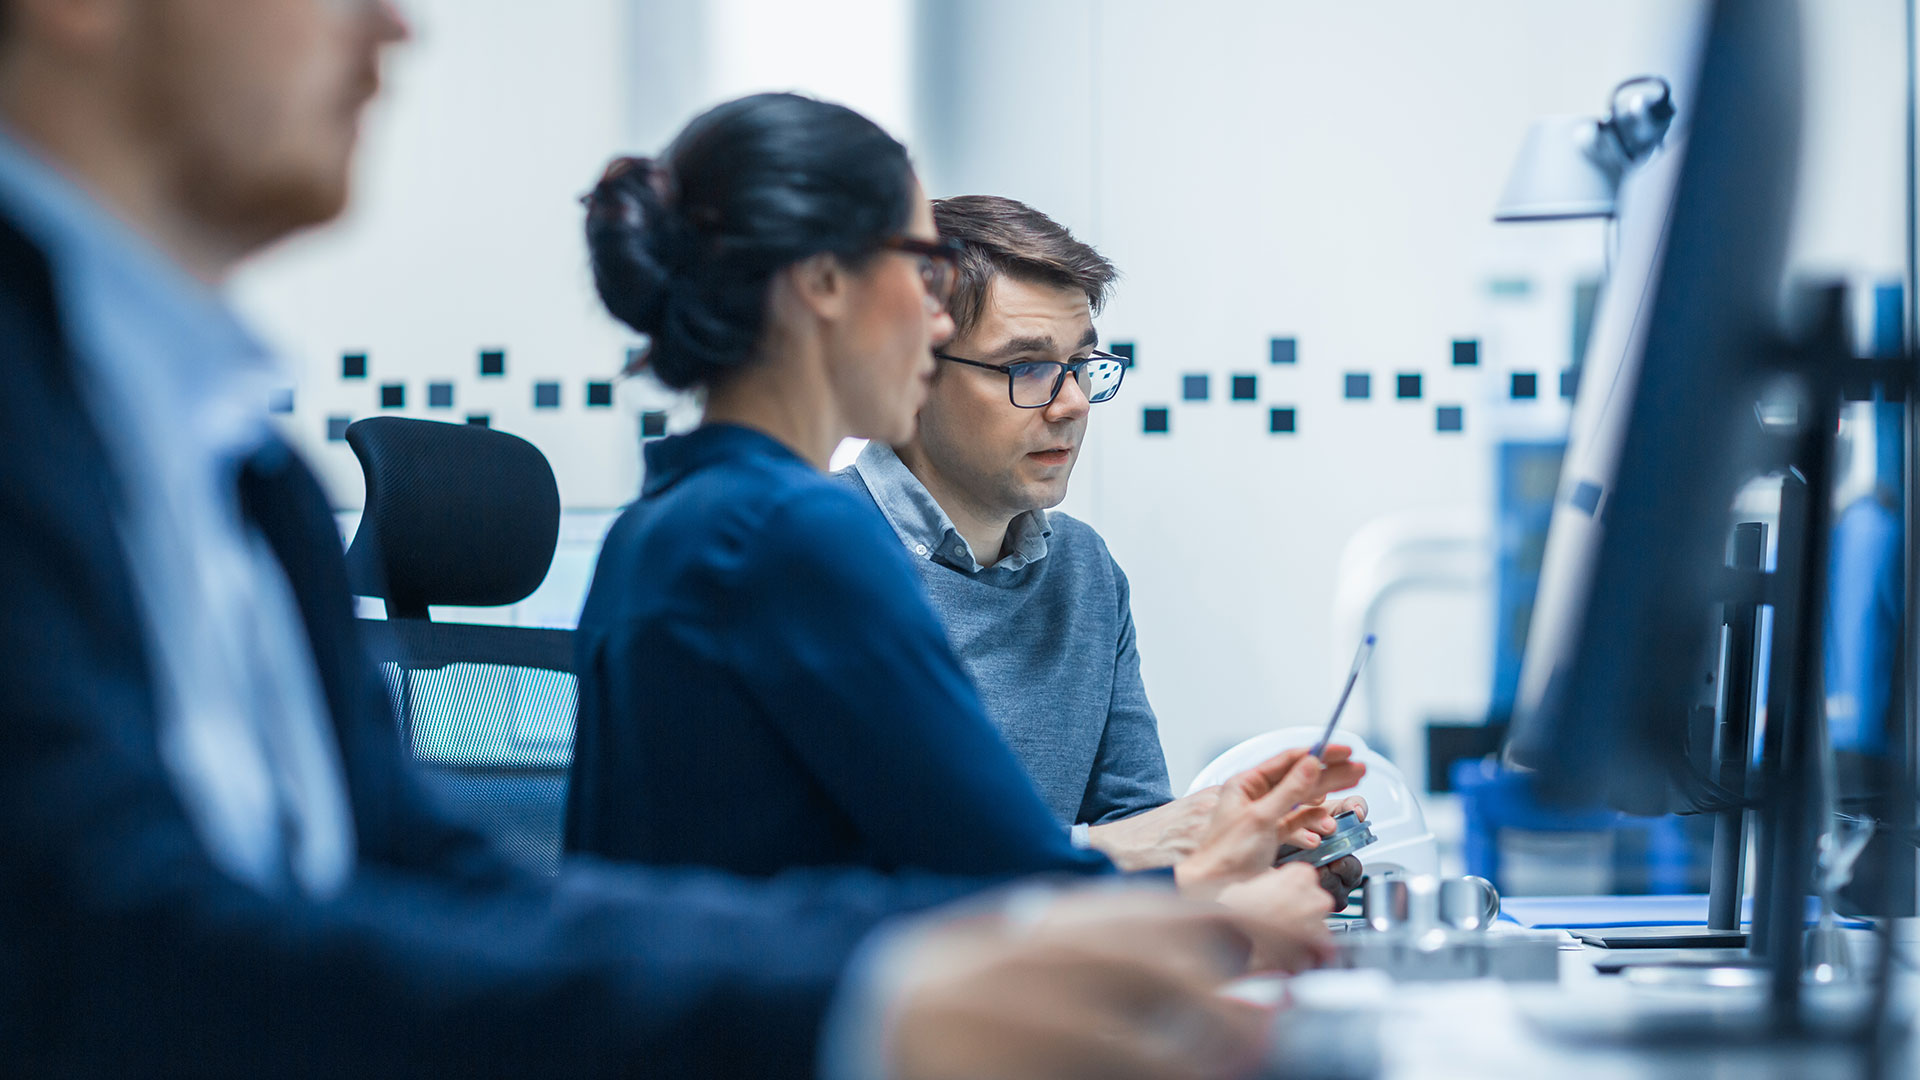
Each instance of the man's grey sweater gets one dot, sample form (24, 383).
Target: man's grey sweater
(1047, 633)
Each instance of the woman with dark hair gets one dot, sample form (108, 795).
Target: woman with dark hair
(763, 684)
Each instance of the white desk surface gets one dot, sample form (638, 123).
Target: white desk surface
(1485, 1028)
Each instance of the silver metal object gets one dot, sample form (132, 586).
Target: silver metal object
(1440, 954)
(1383, 902)
(1469, 903)
(1350, 834)
(1394, 902)
(1425, 928)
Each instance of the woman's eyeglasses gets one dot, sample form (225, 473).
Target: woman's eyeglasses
(1033, 384)
(939, 264)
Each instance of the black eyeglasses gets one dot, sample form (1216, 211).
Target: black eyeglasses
(1033, 384)
(939, 264)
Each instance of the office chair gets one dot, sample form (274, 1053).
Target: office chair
(467, 516)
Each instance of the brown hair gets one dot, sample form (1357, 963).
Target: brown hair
(1003, 236)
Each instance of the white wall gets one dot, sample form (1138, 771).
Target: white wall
(1256, 168)
(1314, 171)
(465, 236)
(1326, 172)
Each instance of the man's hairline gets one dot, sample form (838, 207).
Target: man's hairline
(1087, 340)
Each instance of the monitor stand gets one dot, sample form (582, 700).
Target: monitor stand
(1732, 748)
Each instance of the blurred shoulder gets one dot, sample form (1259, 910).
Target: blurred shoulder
(829, 515)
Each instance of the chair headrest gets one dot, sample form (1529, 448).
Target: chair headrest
(456, 514)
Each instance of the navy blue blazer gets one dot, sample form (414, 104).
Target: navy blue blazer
(764, 685)
(125, 952)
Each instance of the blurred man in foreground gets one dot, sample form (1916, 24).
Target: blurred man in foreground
(215, 862)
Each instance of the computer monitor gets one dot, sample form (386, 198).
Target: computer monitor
(1609, 370)
(1665, 430)
(1639, 585)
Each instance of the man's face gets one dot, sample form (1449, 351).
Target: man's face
(258, 102)
(1002, 459)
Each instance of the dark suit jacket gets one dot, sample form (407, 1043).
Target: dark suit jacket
(125, 952)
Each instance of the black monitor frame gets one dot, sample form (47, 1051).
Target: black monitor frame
(1612, 722)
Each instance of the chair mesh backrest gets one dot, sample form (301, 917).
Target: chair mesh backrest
(488, 714)
(496, 744)
(455, 514)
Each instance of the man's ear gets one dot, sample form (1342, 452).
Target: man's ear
(821, 284)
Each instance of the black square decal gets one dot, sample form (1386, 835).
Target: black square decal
(1585, 497)
(1153, 421)
(653, 425)
(599, 394)
(1193, 388)
(1359, 386)
(1245, 388)
(353, 365)
(440, 395)
(479, 420)
(493, 362)
(393, 396)
(1466, 353)
(1407, 387)
(1449, 418)
(337, 428)
(546, 395)
(1123, 350)
(280, 401)
(1280, 421)
(1282, 350)
(1525, 385)
(1569, 382)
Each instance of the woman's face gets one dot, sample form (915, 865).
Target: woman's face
(883, 356)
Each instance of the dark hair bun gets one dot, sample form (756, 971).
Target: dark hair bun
(684, 249)
(626, 219)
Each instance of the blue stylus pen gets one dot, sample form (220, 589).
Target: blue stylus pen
(1353, 676)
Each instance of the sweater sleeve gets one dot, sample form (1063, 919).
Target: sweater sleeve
(1130, 768)
(847, 656)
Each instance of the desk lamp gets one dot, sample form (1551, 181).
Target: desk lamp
(1571, 166)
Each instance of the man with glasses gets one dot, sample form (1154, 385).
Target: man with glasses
(1034, 603)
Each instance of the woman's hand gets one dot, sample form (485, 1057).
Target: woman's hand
(1279, 800)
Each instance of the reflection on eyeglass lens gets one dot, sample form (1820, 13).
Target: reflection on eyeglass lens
(1038, 382)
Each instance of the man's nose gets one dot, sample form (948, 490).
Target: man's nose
(1070, 403)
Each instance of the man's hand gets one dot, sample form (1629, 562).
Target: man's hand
(1279, 799)
(1158, 837)
(1285, 906)
(1309, 822)
(1114, 985)
(1341, 876)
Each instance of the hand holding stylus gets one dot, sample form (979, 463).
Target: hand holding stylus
(1256, 813)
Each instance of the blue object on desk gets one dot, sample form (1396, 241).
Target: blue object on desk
(1863, 623)
(1591, 912)
(1494, 798)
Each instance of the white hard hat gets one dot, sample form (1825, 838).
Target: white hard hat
(1401, 838)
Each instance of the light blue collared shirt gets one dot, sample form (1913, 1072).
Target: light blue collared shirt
(929, 533)
(178, 389)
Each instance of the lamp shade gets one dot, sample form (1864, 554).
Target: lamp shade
(1569, 167)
